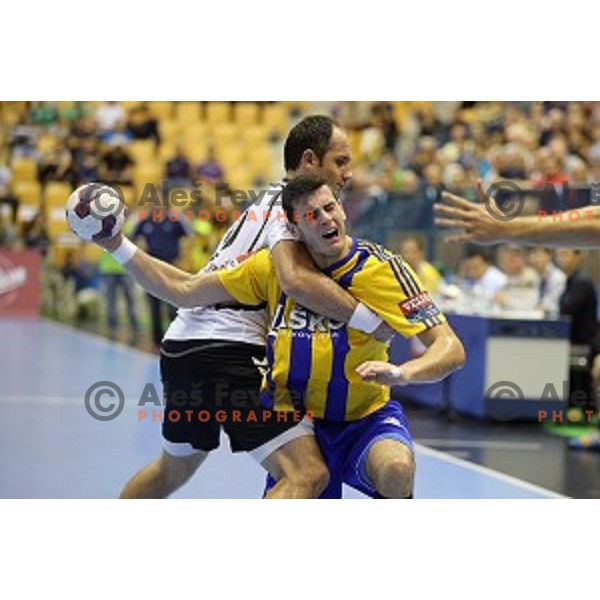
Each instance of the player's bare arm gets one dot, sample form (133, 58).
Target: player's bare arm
(444, 354)
(182, 289)
(300, 279)
(579, 228)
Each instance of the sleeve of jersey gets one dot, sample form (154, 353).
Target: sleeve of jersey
(248, 282)
(393, 290)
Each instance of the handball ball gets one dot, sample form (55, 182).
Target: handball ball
(95, 212)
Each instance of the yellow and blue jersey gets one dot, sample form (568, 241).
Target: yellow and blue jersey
(313, 359)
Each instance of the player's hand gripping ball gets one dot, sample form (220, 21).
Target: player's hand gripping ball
(95, 212)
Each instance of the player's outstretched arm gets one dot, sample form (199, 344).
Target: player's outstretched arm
(578, 228)
(302, 281)
(444, 354)
(165, 281)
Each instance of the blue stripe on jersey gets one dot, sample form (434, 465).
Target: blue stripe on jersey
(346, 280)
(300, 366)
(337, 390)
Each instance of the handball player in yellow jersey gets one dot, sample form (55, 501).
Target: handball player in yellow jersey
(339, 374)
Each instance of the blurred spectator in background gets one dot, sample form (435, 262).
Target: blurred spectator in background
(35, 234)
(552, 280)
(142, 125)
(118, 136)
(43, 113)
(22, 142)
(161, 238)
(81, 273)
(115, 278)
(579, 303)
(56, 165)
(210, 170)
(579, 298)
(108, 115)
(8, 234)
(413, 252)
(521, 290)
(483, 281)
(6, 196)
(76, 110)
(87, 168)
(116, 166)
(178, 170)
(480, 271)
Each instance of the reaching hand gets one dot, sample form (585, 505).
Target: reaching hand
(474, 221)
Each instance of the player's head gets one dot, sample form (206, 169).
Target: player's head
(318, 146)
(316, 217)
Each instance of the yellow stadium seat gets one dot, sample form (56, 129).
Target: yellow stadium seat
(188, 112)
(56, 194)
(46, 142)
(231, 157)
(128, 105)
(218, 112)
(147, 173)
(246, 113)
(169, 130)
(254, 136)
(142, 151)
(58, 228)
(195, 132)
(24, 169)
(28, 192)
(166, 152)
(261, 162)
(225, 134)
(276, 117)
(196, 151)
(161, 111)
(241, 177)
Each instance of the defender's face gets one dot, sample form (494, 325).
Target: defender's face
(321, 224)
(336, 166)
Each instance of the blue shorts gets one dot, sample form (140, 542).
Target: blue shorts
(345, 447)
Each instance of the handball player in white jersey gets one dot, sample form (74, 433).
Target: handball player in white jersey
(210, 356)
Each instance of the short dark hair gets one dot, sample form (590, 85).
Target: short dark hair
(298, 189)
(477, 251)
(312, 133)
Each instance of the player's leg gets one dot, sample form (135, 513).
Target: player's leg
(298, 468)
(186, 441)
(390, 466)
(164, 476)
(380, 462)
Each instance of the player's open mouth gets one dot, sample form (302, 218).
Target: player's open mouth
(332, 234)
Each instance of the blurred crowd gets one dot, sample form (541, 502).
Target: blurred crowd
(403, 149)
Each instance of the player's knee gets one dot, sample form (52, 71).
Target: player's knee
(395, 477)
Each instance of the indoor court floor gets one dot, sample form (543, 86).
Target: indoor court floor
(52, 447)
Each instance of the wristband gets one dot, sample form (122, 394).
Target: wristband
(396, 373)
(124, 253)
(364, 319)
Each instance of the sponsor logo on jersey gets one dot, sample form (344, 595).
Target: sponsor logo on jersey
(419, 308)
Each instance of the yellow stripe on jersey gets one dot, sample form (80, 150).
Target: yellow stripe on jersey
(314, 359)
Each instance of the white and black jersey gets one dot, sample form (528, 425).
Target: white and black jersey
(257, 227)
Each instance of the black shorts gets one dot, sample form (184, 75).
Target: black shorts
(211, 384)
